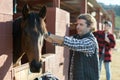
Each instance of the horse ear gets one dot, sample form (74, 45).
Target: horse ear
(42, 12)
(25, 11)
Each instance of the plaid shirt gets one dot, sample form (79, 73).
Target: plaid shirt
(100, 35)
(85, 45)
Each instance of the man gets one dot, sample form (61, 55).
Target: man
(84, 65)
(106, 41)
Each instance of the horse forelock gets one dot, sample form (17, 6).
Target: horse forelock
(34, 22)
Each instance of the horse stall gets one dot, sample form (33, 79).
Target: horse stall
(22, 73)
(54, 58)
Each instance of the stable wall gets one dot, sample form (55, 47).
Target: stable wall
(58, 21)
(6, 39)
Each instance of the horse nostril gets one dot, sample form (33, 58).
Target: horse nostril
(35, 66)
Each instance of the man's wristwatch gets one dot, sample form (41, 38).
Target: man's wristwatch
(49, 33)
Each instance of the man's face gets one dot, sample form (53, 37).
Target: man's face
(106, 27)
(82, 27)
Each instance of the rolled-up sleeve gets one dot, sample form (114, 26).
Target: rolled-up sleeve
(84, 45)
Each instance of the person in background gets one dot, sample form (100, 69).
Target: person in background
(85, 62)
(106, 42)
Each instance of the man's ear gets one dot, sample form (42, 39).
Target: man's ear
(25, 11)
(43, 11)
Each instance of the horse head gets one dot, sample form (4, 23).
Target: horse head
(32, 28)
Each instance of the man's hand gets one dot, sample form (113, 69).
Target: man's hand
(106, 38)
(54, 38)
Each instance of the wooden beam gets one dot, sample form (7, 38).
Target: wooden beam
(68, 6)
(56, 3)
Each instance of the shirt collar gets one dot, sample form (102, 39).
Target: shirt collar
(85, 35)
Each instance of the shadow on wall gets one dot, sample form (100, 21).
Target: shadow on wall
(5, 50)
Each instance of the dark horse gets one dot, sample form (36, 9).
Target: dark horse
(28, 33)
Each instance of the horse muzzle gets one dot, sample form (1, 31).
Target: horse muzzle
(35, 66)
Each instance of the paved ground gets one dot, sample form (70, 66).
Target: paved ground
(115, 64)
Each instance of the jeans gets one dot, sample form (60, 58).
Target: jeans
(107, 68)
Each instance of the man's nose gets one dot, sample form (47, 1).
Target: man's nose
(77, 27)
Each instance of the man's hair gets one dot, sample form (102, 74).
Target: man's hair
(90, 20)
(109, 23)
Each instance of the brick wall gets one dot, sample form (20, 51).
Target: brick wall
(6, 40)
